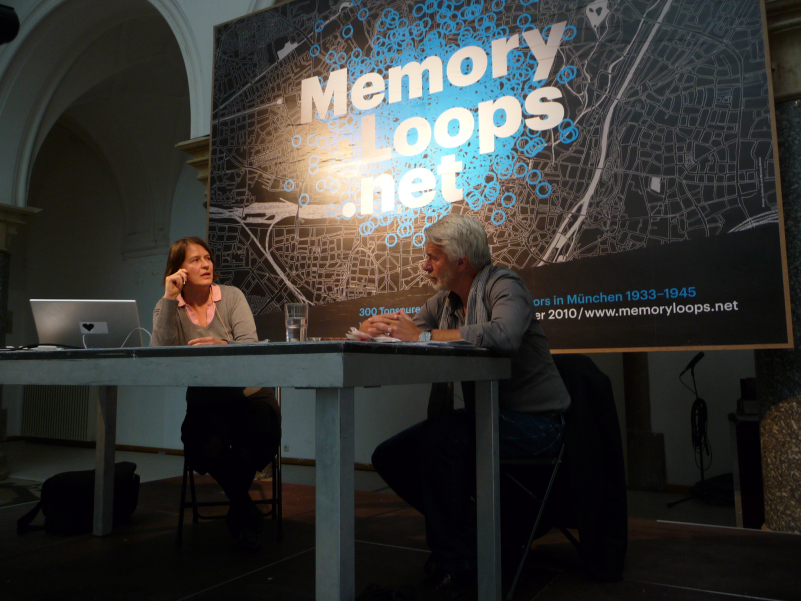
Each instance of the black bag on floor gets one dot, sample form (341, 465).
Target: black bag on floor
(68, 500)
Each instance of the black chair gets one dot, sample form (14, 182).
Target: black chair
(589, 492)
(275, 502)
(554, 463)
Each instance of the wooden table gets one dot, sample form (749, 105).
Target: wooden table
(334, 369)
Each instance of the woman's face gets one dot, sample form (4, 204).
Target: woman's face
(198, 266)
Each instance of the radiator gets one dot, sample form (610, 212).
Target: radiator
(60, 412)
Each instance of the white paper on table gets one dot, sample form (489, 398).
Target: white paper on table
(355, 334)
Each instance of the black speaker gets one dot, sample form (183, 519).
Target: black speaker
(9, 24)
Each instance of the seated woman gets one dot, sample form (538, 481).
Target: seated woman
(230, 433)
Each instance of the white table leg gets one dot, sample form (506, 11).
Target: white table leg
(488, 491)
(104, 461)
(335, 548)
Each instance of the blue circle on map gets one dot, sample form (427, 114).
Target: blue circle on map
(492, 192)
(318, 27)
(523, 20)
(289, 185)
(543, 189)
(520, 169)
(366, 228)
(334, 185)
(310, 141)
(391, 240)
(474, 200)
(498, 217)
(363, 14)
(381, 25)
(517, 58)
(296, 141)
(504, 170)
(508, 200)
(566, 74)
(320, 185)
(534, 176)
(341, 58)
(569, 133)
(331, 210)
(303, 200)
(569, 33)
(331, 57)
(498, 5)
(406, 230)
(314, 50)
(419, 239)
(527, 2)
(313, 169)
(384, 219)
(546, 32)
(534, 147)
(347, 31)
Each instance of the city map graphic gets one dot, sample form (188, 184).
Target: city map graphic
(665, 138)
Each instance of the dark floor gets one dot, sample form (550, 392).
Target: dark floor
(138, 562)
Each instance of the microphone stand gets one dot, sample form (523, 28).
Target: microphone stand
(700, 440)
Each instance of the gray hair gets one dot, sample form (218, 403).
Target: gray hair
(459, 235)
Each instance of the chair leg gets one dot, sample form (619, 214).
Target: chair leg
(278, 495)
(570, 537)
(536, 524)
(195, 515)
(182, 507)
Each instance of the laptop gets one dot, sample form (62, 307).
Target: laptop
(87, 323)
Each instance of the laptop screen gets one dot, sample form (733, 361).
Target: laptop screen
(87, 323)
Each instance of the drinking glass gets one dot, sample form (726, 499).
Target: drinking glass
(297, 321)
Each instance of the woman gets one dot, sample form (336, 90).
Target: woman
(231, 433)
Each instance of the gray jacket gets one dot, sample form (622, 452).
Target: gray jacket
(514, 330)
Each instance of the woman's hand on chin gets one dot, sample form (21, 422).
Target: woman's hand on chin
(206, 340)
(174, 283)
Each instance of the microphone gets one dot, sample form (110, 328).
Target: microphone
(692, 363)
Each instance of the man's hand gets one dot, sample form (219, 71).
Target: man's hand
(378, 325)
(397, 325)
(205, 341)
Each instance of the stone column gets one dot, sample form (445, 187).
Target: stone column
(199, 150)
(779, 371)
(10, 219)
(645, 449)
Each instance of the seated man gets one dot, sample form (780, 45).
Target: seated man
(432, 465)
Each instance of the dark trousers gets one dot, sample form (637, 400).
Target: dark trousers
(432, 466)
(231, 436)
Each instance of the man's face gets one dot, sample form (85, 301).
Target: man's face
(441, 271)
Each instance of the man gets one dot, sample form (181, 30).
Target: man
(432, 465)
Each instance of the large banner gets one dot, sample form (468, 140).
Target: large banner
(620, 155)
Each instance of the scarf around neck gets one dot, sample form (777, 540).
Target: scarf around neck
(440, 401)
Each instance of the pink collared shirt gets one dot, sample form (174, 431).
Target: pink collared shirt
(216, 296)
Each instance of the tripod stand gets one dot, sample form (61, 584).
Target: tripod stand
(700, 440)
